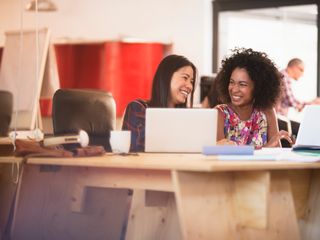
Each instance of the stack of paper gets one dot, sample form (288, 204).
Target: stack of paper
(273, 154)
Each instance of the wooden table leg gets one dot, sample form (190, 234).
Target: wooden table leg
(208, 208)
(310, 229)
(205, 205)
(157, 221)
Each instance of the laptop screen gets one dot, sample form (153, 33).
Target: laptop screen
(309, 130)
(180, 129)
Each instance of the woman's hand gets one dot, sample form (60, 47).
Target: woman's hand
(225, 142)
(273, 142)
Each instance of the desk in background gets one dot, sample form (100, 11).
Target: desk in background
(214, 199)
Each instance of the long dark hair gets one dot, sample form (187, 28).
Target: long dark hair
(162, 79)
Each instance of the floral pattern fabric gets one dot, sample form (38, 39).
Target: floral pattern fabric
(248, 132)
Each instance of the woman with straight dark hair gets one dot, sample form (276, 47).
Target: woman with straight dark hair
(172, 87)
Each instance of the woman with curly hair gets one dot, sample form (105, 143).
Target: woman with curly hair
(249, 85)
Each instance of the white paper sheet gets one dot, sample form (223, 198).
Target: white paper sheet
(273, 154)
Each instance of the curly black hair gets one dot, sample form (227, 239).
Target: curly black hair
(262, 71)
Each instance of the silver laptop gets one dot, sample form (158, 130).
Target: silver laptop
(309, 130)
(180, 129)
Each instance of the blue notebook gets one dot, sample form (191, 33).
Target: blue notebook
(228, 150)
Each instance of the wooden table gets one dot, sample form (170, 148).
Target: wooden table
(214, 199)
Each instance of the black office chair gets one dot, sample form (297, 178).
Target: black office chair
(6, 106)
(208, 89)
(91, 110)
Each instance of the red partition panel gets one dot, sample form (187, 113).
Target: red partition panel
(81, 65)
(130, 68)
(65, 63)
(124, 69)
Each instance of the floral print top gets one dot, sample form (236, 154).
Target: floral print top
(249, 132)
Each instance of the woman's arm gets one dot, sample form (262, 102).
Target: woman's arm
(134, 120)
(274, 135)
(220, 130)
(221, 139)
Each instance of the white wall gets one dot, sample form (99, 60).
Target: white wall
(185, 23)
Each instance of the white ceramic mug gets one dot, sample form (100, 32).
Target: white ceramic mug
(120, 141)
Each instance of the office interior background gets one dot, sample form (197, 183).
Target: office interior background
(282, 33)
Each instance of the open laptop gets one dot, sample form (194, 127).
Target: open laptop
(309, 130)
(180, 129)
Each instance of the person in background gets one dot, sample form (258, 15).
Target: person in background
(172, 87)
(212, 97)
(293, 72)
(248, 84)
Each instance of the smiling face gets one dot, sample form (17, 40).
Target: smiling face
(241, 88)
(181, 86)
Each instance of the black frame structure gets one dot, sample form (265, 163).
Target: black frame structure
(235, 5)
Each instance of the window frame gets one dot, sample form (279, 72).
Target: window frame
(236, 5)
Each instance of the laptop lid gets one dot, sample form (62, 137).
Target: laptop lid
(180, 129)
(309, 130)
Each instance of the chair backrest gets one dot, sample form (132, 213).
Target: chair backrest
(6, 106)
(284, 124)
(205, 85)
(91, 110)
(208, 89)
